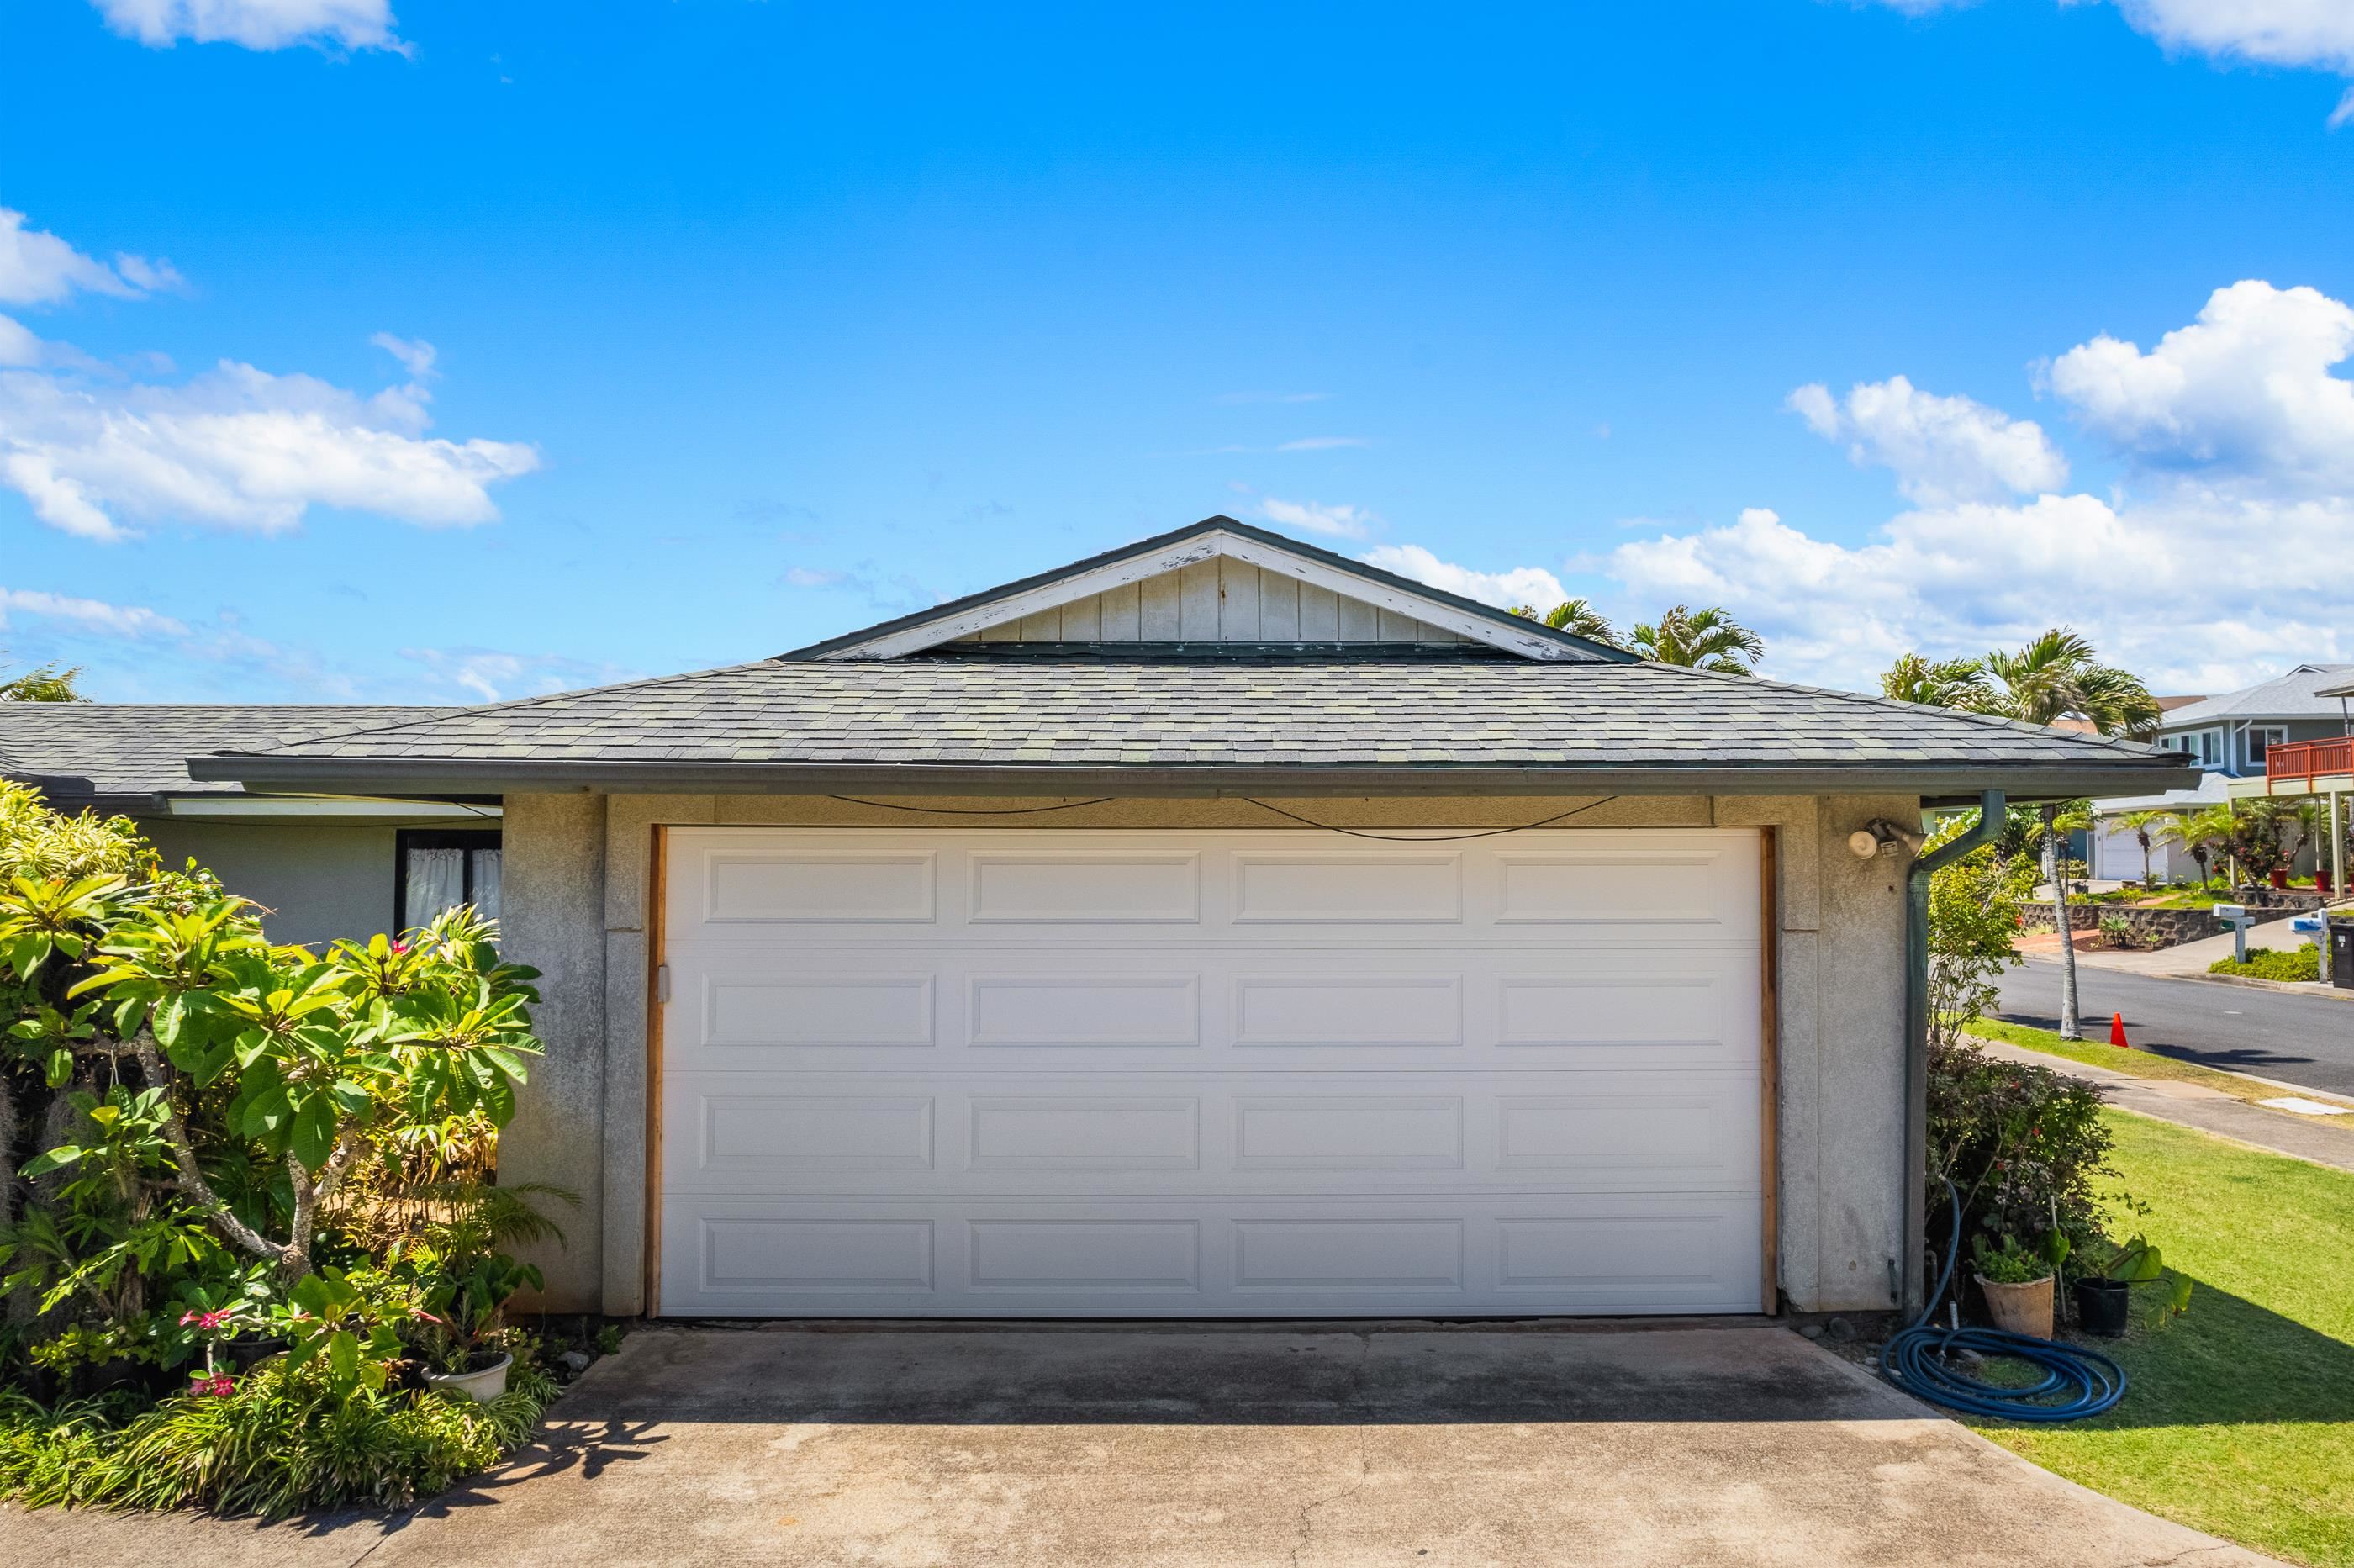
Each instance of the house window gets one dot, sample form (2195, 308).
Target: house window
(2206, 746)
(2262, 737)
(440, 869)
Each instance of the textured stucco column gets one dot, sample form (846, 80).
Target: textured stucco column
(1860, 1066)
(552, 915)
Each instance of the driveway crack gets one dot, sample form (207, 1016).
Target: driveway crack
(1309, 1509)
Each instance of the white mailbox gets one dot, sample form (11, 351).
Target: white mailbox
(2236, 916)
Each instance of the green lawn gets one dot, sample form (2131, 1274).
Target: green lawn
(2240, 1419)
(2140, 1064)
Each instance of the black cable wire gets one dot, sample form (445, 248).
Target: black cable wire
(1431, 838)
(971, 810)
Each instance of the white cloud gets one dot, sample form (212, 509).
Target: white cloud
(416, 355)
(2318, 34)
(485, 674)
(255, 24)
(1943, 449)
(1321, 443)
(1505, 589)
(1314, 517)
(2215, 565)
(86, 614)
(2315, 34)
(238, 448)
(2243, 396)
(36, 267)
(814, 577)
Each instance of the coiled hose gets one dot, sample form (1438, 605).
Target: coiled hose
(2076, 1382)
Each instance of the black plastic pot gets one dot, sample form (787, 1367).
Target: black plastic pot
(2103, 1307)
(241, 1353)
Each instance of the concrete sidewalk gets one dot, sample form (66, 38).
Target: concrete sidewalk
(1220, 1446)
(2325, 1140)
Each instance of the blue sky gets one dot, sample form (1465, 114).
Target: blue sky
(445, 350)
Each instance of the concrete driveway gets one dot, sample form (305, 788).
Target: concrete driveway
(1100, 1447)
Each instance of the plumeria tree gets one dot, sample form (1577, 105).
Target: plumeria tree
(208, 1091)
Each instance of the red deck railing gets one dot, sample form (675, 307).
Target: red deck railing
(2308, 760)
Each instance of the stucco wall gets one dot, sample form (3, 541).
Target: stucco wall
(577, 880)
(319, 881)
(552, 901)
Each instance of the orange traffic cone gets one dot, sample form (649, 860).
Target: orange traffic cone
(2117, 1031)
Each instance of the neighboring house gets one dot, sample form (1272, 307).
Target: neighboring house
(324, 865)
(1216, 928)
(2319, 768)
(2230, 737)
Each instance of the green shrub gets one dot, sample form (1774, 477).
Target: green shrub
(281, 1442)
(2023, 1145)
(2274, 964)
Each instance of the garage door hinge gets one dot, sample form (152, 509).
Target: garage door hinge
(661, 982)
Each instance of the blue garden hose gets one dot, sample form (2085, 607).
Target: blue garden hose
(2076, 1382)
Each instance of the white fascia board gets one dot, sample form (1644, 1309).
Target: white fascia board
(1204, 547)
(321, 807)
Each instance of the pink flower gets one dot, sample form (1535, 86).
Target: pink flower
(398, 949)
(218, 1387)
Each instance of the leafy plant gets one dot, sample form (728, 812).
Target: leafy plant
(2274, 964)
(2024, 1146)
(2138, 1262)
(2009, 1263)
(1974, 907)
(278, 1441)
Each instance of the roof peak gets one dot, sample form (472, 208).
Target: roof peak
(1213, 537)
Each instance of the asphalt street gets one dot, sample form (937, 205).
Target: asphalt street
(2299, 1039)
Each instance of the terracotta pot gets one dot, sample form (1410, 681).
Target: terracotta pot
(2019, 1309)
(484, 1384)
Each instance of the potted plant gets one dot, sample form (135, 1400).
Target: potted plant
(2018, 1282)
(465, 1319)
(2103, 1291)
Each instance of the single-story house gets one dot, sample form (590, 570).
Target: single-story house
(323, 865)
(1215, 927)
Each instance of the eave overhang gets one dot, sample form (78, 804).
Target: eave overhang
(429, 776)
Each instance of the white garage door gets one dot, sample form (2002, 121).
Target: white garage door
(1102, 1073)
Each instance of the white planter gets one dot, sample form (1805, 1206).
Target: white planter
(481, 1387)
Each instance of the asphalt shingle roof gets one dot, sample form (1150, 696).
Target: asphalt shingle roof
(1276, 712)
(2299, 694)
(141, 748)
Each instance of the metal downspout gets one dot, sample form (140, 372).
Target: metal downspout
(1991, 805)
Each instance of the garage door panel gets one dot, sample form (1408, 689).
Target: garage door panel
(1301, 1133)
(832, 887)
(1084, 1008)
(1054, 887)
(1077, 1073)
(1234, 1258)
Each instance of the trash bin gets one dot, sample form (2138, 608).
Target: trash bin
(2341, 953)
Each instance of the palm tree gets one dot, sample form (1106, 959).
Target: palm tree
(2144, 826)
(1578, 617)
(1706, 639)
(1946, 684)
(2059, 676)
(2203, 832)
(46, 684)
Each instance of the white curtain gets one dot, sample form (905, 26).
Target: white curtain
(437, 881)
(486, 884)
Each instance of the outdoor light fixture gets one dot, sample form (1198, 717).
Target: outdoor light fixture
(1880, 836)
